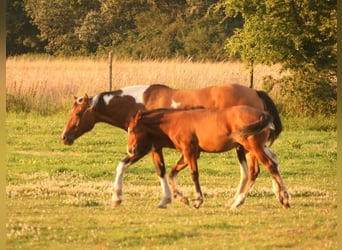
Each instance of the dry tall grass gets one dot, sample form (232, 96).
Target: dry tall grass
(49, 81)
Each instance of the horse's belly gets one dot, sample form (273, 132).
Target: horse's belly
(216, 145)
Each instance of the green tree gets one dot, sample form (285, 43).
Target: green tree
(301, 35)
(21, 35)
(132, 28)
(57, 21)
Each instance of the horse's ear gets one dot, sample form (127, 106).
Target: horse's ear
(75, 97)
(85, 98)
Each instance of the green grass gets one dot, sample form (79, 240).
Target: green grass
(58, 197)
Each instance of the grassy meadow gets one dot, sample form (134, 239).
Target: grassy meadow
(58, 197)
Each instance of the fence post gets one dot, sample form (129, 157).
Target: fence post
(110, 71)
(251, 74)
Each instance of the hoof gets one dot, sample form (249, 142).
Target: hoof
(116, 203)
(229, 204)
(237, 202)
(164, 203)
(184, 200)
(284, 199)
(198, 204)
(286, 206)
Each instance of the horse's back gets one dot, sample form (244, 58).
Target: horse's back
(229, 95)
(212, 97)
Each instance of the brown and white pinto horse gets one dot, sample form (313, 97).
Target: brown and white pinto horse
(214, 131)
(117, 107)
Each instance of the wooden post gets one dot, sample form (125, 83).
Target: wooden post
(110, 71)
(251, 74)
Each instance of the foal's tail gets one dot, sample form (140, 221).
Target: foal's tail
(272, 109)
(265, 121)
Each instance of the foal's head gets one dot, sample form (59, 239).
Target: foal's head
(79, 122)
(138, 143)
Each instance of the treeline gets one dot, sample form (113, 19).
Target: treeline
(139, 29)
(300, 35)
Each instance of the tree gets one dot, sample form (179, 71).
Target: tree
(21, 35)
(57, 21)
(301, 35)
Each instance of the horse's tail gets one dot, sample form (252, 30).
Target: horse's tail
(272, 109)
(265, 121)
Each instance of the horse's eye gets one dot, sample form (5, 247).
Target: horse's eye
(79, 114)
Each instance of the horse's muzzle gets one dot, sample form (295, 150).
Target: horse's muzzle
(67, 140)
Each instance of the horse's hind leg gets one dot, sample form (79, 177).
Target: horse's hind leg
(158, 161)
(242, 189)
(278, 185)
(173, 174)
(253, 169)
(270, 161)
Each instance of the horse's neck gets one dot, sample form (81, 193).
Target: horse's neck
(158, 126)
(117, 115)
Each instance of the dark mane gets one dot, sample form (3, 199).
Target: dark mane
(159, 86)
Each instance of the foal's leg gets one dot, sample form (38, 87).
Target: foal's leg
(118, 182)
(270, 161)
(253, 169)
(191, 154)
(242, 189)
(173, 174)
(158, 161)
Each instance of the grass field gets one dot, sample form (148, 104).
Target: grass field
(58, 196)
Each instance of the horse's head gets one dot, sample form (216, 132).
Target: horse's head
(80, 120)
(138, 143)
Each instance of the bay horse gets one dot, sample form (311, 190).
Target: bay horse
(117, 107)
(201, 130)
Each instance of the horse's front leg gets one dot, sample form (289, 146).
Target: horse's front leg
(173, 174)
(243, 188)
(158, 160)
(191, 158)
(118, 182)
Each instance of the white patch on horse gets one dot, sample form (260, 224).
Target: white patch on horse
(94, 101)
(175, 104)
(107, 98)
(135, 91)
(118, 182)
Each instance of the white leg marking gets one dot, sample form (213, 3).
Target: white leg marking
(166, 192)
(238, 201)
(275, 188)
(240, 195)
(175, 104)
(118, 182)
(135, 91)
(107, 98)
